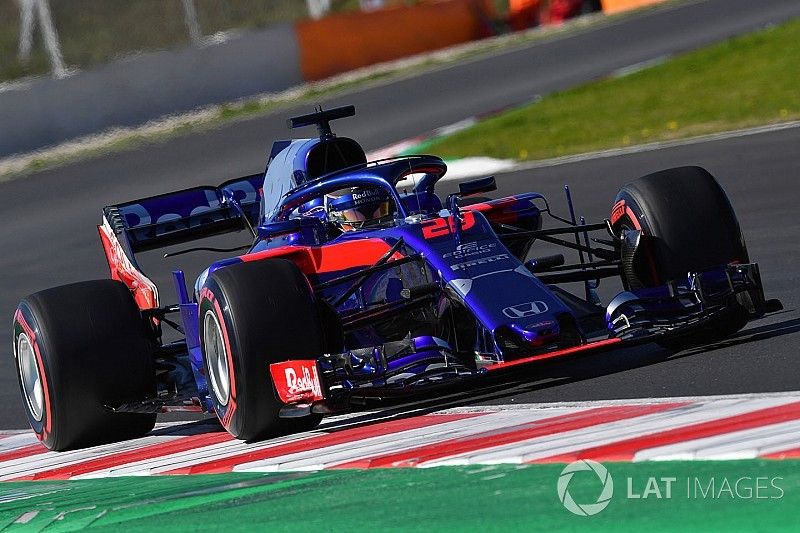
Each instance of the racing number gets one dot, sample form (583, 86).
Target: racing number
(440, 227)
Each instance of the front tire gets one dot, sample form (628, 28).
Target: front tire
(689, 226)
(77, 349)
(252, 315)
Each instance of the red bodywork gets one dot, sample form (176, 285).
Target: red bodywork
(144, 291)
(329, 257)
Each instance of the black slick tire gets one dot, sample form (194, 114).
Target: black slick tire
(265, 313)
(88, 347)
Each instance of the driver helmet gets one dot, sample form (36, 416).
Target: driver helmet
(360, 207)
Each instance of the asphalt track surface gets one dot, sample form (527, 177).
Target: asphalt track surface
(48, 235)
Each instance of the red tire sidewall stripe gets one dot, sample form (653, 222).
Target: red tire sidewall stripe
(46, 423)
(632, 217)
(230, 408)
(620, 209)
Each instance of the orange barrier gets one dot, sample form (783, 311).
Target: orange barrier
(615, 6)
(523, 14)
(348, 41)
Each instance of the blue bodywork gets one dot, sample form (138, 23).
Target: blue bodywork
(462, 301)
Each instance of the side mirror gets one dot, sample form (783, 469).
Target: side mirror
(477, 186)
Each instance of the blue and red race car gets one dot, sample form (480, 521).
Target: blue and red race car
(354, 288)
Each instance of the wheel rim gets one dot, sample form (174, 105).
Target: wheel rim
(216, 357)
(30, 377)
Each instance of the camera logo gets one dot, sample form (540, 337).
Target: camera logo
(585, 509)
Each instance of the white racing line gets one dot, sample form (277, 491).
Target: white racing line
(649, 429)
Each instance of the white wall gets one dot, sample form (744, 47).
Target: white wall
(137, 89)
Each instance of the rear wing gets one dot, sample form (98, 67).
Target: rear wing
(174, 218)
(187, 215)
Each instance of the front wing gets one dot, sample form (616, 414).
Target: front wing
(420, 365)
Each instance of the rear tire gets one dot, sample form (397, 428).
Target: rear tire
(691, 226)
(265, 313)
(78, 348)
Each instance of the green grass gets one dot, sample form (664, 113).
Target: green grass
(747, 81)
(473, 498)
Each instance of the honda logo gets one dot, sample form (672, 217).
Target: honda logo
(526, 309)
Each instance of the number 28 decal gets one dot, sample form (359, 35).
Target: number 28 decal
(440, 227)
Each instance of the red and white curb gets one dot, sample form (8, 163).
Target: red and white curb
(457, 169)
(730, 427)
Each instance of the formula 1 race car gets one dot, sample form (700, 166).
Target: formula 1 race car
(361, 283)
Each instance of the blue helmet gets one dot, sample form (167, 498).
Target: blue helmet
(360, 207)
